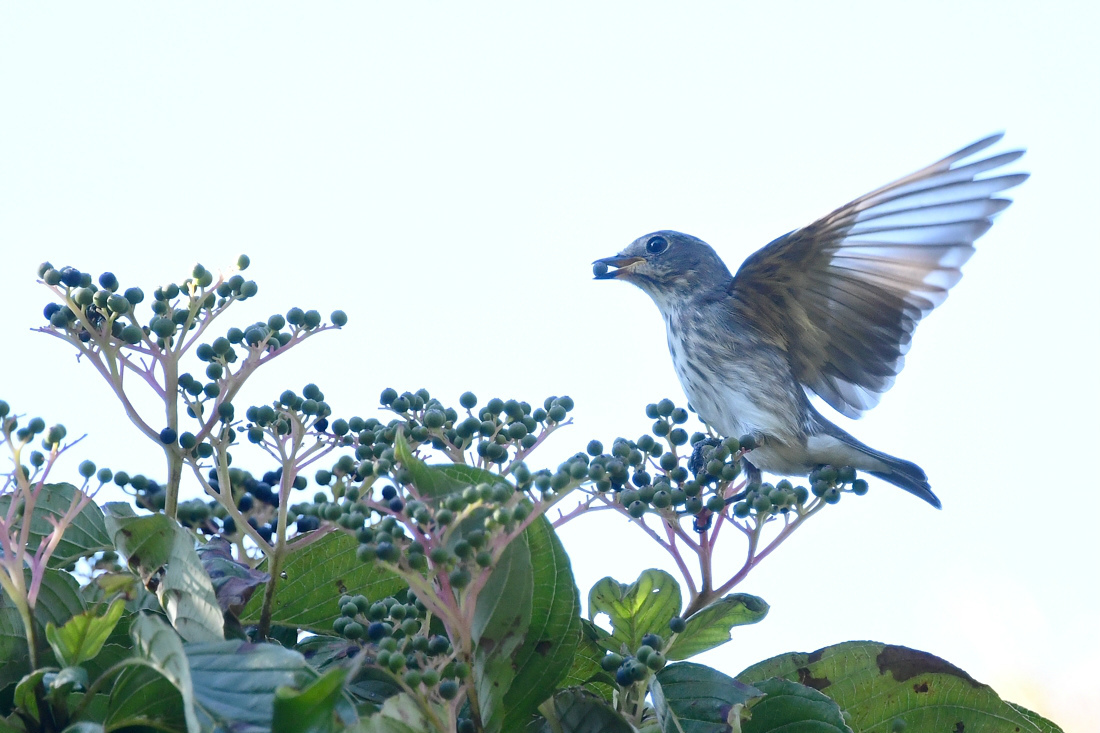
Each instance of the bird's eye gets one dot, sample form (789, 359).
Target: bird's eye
(656, 245)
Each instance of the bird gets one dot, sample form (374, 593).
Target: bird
(826, 310)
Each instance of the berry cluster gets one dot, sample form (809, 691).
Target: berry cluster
(630, 669)
(370, 482)
(396, 636)
(668, 472)
(97, 309)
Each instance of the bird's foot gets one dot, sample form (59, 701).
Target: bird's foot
(753, 479)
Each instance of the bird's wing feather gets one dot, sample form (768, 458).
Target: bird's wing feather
(846, 292)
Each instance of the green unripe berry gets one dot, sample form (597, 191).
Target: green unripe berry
(716, 504)
(448, 689)
(656, 661)
(611, 661)
(859, 487)
(644, 652)
(636, 509)
(162, 327)
(87, 469)
(459, 578)
(118, 304)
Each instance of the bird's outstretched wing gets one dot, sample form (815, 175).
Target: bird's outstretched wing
(846, 292)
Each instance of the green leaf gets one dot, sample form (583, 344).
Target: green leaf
(153, 542)
(314, 577)
(319, 708)
(793, 708)
(13, 644)
(158, 643)
(84, 536)
(437, 481)
(187, 594)
(399, 714)
(501, 619)
(67, 680)
(323, 651)
(546, 654)
(643, 607)
(234, 582)
(141, 696)
(235, 681)
(693, 698)
(877, 684)
(82, 636)
(25, 693)
(58, 600)
(586, 670)
(579, 711)
(6, 727)
(146, 542)
(711, 626)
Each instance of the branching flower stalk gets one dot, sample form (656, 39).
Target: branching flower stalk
(692, 497)
(104, 327)
(22, 570)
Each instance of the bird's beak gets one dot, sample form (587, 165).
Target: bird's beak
(622, 266)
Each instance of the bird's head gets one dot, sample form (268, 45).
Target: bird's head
(667, 265)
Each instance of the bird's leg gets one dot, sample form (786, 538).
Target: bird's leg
(753, 478)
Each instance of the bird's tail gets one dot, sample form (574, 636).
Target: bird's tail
(900, 473)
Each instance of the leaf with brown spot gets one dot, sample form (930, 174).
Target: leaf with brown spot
(875, 684)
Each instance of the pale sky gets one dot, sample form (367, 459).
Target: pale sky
(446, 173)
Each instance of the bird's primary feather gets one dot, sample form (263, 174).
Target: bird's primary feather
(847, 291)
